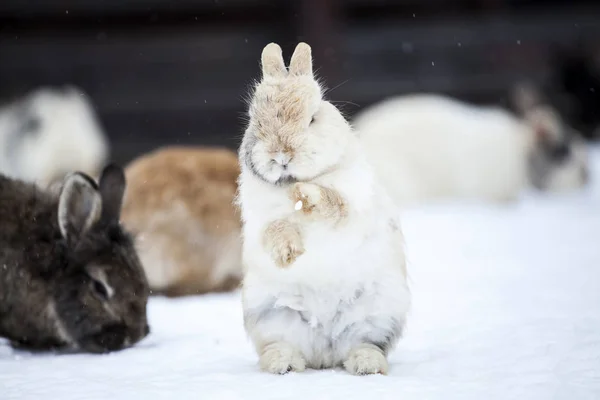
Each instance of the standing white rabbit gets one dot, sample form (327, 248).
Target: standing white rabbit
(325, 277)
(427, 147)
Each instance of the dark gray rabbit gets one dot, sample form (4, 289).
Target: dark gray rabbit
(69, 274)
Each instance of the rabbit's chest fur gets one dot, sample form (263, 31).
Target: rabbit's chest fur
(349, 250)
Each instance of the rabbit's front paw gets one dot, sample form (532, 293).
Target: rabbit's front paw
(285, 243)
(306, 197)
(318, 203)
(287, 250)
(280, 358)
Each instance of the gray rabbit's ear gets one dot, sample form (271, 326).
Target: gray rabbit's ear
(272, 62)
(79, 206)
(301, 62)
(112, 189)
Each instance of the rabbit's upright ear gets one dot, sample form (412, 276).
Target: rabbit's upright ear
(79, 206)
(525, 97)
(301, 62)
(272, 62)
(112, 189)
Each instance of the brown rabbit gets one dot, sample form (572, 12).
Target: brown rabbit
(179, 203)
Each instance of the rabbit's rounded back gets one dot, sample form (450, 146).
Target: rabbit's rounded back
(292, 134)
(428, 147)
(72, 275)
(49, 133)
(180, 204)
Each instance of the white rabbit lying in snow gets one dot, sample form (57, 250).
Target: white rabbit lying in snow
(426, 147)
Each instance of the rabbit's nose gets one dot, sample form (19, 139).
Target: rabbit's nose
(146, 330)
(282, 159)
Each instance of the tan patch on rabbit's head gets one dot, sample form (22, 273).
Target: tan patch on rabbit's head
(285, 133)
(283, 110)
(284, 102)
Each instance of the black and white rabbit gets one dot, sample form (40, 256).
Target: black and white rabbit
(69, 274)
(429, 147)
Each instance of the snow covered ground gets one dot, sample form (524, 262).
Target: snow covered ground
(506, 306)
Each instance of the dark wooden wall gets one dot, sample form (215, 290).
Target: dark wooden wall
(164, 72)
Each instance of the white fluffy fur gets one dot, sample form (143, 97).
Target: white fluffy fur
(70, 138)
(348, 289)
(428, 147)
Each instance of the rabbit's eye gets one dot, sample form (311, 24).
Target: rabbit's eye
(312, 120)
(100, 289)
(99, 283)
(31, 125)
(560, 152)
